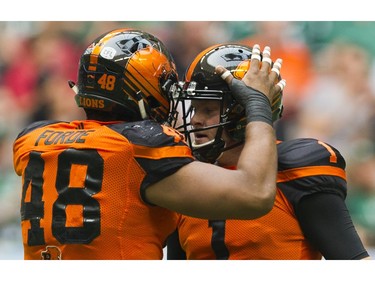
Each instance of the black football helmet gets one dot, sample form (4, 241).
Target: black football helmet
(130, 68)
(202, 83)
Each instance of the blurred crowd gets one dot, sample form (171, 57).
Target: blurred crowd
(330, 93)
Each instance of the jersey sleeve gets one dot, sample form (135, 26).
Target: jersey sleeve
(311, 174)
(307, 166)
(327, 224)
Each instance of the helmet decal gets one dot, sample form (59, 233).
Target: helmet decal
(241, 69)
(108, 53)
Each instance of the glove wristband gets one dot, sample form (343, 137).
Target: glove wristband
(258, 108)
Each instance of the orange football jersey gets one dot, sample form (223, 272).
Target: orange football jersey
(305, 166)
(83, 187)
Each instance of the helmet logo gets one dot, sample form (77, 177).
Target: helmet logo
(90, 102)
(132, 45)
(235, 57)
(241, 69)
(108, 53)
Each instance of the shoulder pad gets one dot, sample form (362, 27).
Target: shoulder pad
(36, 125)
(304, 152)
(148, 133)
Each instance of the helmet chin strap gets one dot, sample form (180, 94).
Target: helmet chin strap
(195, 145)
(233, 146)
(73, 86)
(142, 109)
(141, 106)
(212, 150)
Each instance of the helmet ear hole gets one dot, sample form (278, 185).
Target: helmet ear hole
(198, 77)
(236, 115)
(236, 129)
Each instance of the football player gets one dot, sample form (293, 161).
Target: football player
(107, 187)
(309, 219)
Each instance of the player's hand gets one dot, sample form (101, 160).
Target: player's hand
(258, 86)
(260, 76)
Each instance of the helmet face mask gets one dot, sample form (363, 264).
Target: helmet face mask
(202, 83)
(129, 68)
(211, 150)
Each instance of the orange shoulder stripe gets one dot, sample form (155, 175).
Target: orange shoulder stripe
(163, 152)
(293, 174)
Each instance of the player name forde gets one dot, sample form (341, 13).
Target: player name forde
(59, 137)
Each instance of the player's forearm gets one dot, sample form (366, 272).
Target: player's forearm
(258, 161)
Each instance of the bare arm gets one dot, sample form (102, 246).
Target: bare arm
(208, 191)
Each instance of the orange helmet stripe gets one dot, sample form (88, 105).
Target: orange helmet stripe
(142, 82)
(97, 48)
(241, 69)
(99, 45)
